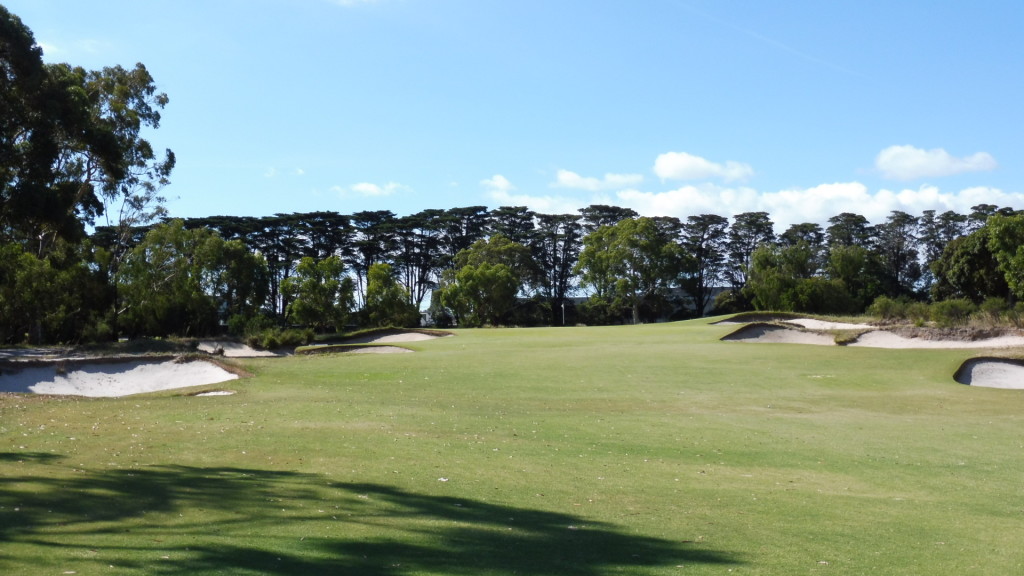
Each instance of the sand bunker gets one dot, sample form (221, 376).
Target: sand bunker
(774, 334)
(816, 333)
(110, 379)
(395, 336)
(231, 349)
(992, 373)
(883, 339)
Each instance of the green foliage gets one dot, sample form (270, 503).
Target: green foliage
(275, 338)
(630, 263)
(479, 295)
(968, 268)
(167, 283)
(951, 313)
(320, 294)
(1006, 241)
(387, 303)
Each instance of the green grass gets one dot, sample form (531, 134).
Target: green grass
(586, 451)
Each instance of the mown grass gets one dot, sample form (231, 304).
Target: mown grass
(624, 450)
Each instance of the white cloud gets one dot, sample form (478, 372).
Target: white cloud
(569, 179)
(910, 163)
(372, 190)
(815, 204)
(683, 166)
(500, 191)
(497, 184)
(348, 3)
(48, 49)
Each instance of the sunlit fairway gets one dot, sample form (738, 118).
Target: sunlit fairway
(652, 449)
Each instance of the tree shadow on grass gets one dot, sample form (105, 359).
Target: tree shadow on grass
(178, 520)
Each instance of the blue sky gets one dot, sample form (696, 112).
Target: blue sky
(803, 109)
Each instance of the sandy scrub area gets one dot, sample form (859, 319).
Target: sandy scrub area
(110, 379)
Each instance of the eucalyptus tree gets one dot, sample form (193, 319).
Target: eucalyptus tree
(1006, 242)
(387, 302)
(319, 294)
(630, 263)
(968, 268)
(168, 282)
(482, 286)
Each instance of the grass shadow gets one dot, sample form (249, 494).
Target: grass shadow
(248, 521)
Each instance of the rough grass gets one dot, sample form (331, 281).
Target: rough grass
(623, 450)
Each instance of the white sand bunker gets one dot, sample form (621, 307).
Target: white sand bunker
(111, 379)
(774, 334)
(883, 339)
(992, 373)
(230, 349)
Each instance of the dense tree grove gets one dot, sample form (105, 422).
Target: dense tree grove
(87, 251)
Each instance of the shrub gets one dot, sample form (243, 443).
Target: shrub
(992, 310)
(949, 313)
(888, 309)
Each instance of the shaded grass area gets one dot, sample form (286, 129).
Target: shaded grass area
(623, 450)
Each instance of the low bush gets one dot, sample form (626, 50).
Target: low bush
(949, 313)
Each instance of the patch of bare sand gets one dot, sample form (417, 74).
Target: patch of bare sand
(992, 373)
(773, 334)
(110, 380)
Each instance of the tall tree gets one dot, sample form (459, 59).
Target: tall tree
(319, 294)
(512, 222)
(897, 252)
(849, 229)
(705, 242)
(598, 215)
(374, 242)
(629, 263)
(748, 231)
(387, 302)
(556, 248)
(418, 258)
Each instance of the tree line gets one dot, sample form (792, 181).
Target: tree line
(88, 253)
